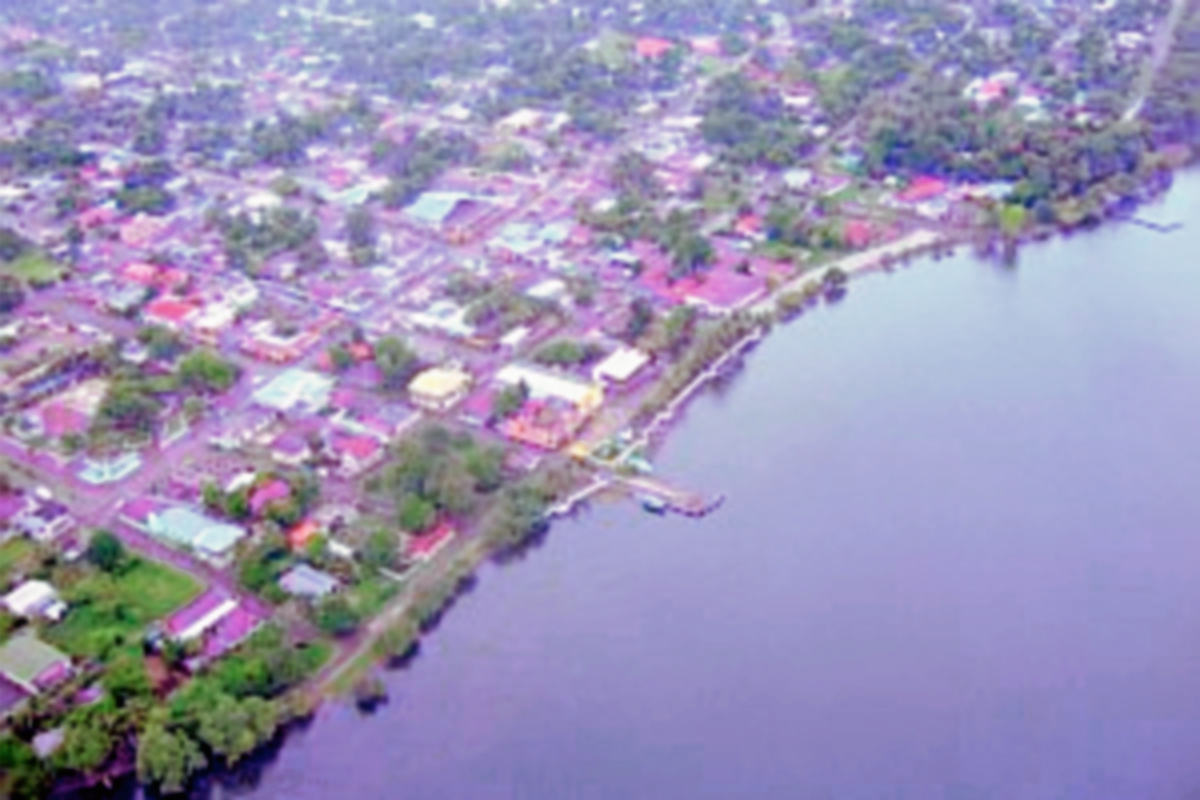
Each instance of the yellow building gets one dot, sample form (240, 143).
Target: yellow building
(439, 388)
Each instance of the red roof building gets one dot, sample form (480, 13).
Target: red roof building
(653, 48)
(858, 233)
(169, 312)
(272, 491)
(299, 536)
(426, 546)
(356, 453)
(924, 189)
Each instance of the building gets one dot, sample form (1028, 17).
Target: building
(653, 48)
(217, 620)
(621, 366)
(424, 547)
(210, 539)
(35, 599)
(544, 384)
(304, 581)
(32, 665)
(296, 390)
(356, 453)
(44, 520)
(439, 388)
(548, 423)
(521, 121)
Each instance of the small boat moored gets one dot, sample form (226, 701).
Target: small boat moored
(654, 505)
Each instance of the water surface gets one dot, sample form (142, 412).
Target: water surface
(960, 559)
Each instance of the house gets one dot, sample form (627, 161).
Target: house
(44, 520)
(215, 618)
(356, 453)
(304, 581)
(620, 366)
(169, 312)
(266, 342)
(299, 536)
(296, 390)
(270, 492)
(652, 48)
(32, 665)
(706, 45)
(292, 448)
(199, 616)
(544, 384)
(518, 122)
(35, 599)
(547, 423)
(211, 539)
(923, 189)
(439, 388)
(426, 546)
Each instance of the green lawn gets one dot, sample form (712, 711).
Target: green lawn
(34, 268)
(111, 613)
(12, 553)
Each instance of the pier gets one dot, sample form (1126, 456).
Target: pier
(679, 501)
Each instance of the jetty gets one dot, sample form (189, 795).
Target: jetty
(678, 501)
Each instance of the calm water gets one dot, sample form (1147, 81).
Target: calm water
(960, 559)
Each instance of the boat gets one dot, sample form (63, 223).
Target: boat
(654, 505)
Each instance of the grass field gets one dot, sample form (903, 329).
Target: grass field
(33, 268)
(12, 553)
(110, 613)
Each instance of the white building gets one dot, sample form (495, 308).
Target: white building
(35, 599)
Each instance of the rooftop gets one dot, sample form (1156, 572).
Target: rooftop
(27, 661)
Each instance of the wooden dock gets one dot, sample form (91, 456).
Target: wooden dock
(678, 501)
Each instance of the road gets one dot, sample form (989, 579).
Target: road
(1161, 51)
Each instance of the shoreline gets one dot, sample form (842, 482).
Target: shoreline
(856, 266)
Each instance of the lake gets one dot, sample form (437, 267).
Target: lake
(960, 558)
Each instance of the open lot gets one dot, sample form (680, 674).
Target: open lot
(110, 613)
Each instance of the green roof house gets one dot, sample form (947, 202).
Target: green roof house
(33, 665)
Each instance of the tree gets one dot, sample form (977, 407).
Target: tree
(416, 514)
(206, 372)
(127, 407)
(163, 343)
(23, 776)
(88, 740)
(509, 400)
(232, 728)
(360, 228)
(340, 358)
(641, 315)
(126, 680)
(167, 759)
(486, 466)
(396, 362)
(106, 551)
(336, 617)
(12, 244)
(12, 294)
(380, 549)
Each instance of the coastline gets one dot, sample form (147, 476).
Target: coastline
(458, 563)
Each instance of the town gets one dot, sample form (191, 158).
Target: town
(307, 309)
